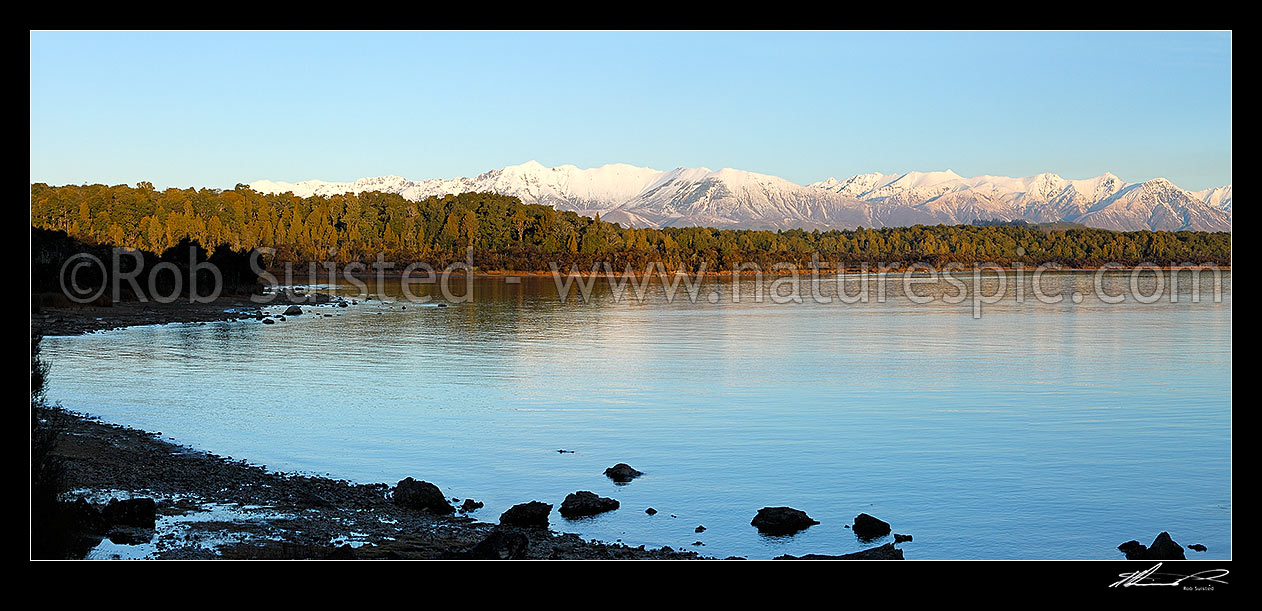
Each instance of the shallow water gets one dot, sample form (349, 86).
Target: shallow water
(1035, 431)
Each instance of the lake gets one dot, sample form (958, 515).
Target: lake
(1033, 431)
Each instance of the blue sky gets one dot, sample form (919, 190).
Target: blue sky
(215, 109)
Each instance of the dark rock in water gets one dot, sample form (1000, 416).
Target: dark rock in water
(293, 310)
(131, 512)
(470, 505)
(781, 520)
(698, 543)
(268, 321)
(585, 503)
(901, 538)
(650, 511)
(884, 552)
(1197, 547)
(700, 529)
(341, 304)
(868, 527)
(501, 544)
(280, 318)
(1162, 548)
(565, 451)
(86, 517)
(442, 305)
(425, 496)
(530, 515)
(622, 473)
(343, 552)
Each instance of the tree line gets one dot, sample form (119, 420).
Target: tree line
(506, 234)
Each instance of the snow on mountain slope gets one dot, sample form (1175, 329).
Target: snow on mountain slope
(736, 198)
(948, 198)
(1156, 204)
(1219, 197)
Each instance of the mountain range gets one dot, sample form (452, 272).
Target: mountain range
(730, 198)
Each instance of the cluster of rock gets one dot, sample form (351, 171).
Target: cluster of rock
(1162, 548)
(294, 298)
(507, 542)
(785, 521)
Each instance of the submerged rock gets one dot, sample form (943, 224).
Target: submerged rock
(868, 527)
(650, 511)
(884, 552)
(585, 503)
(901, 538)
(699, 529)
(530, 515)
(781, 521)
(420, 495)
(293, 310)
(622, 473)
(1162, 548)
(470, 505)
(1197, 547)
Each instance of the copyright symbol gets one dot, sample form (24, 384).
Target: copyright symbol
(70, 270)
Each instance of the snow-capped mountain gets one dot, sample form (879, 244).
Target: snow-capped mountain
(1219, 197)
(1105, 201)
(645, 197)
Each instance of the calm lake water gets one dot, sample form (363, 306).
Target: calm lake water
(1036, 431)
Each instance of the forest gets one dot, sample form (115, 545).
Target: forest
(506, 234)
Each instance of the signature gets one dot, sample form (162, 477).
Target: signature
(1151, 577)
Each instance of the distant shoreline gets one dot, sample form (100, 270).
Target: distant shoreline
(395, 274)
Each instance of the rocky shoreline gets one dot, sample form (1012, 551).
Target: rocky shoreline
(68, 320)
(209, 506)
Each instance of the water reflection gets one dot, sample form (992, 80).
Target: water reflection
(1079, 425)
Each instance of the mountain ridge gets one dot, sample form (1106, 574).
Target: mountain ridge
(732, 198)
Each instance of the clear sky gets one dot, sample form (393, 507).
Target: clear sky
(216, 109)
